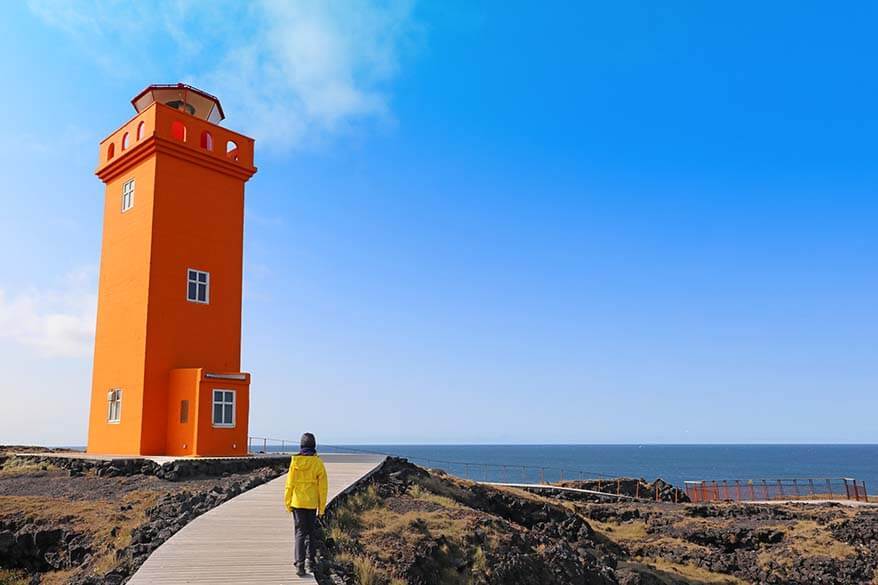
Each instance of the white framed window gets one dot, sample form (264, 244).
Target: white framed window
(197, 286)
(127, 195)
(114, 405)
(224, 408)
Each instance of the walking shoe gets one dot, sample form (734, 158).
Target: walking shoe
(300, 570)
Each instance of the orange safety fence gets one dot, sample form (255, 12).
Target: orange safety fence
(755, 490)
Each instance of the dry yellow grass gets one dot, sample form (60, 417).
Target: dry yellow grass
(367, 573)
(806, 537)
(418, 493)
(624, 531)
(57, 577)
(9, 577)
(420, 514)
(97, 518)
(41, 507)
(15, 467)
(670, 541)
(691, 573)
(379, 523)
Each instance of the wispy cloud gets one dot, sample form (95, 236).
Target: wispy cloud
(57, 322)
(289, 73)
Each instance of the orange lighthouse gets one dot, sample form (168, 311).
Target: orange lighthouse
(167, 361)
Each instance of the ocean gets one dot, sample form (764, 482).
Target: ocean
(673, 463)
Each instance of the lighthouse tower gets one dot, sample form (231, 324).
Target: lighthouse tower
(167, 360)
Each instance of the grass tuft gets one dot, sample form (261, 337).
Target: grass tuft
(366, 571)
(346, 518)
(690, 573)
(11, 577)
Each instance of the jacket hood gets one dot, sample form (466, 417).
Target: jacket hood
(305, 462)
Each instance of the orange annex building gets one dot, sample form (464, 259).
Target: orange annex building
(167, 360)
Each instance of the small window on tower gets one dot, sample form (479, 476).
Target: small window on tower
(178, 131)
(127, 195)
(198, 286)
(114, 405)
(125, 141)
(111, 151)
(232, 150)
(184, 411)
(206, 140)
(140, 131)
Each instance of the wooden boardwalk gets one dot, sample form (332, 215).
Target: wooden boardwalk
(247, 540)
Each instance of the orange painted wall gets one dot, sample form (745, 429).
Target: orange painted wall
(198, 222)
(120, 336)
(222, 441)
(182, 385)
(198, 436)
(188, 213)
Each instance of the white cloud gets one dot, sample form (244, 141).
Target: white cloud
(57, 322)
(288, 72)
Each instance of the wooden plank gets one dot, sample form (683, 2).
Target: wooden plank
(247, 540)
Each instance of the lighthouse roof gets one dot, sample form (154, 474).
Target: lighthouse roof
(183, 97)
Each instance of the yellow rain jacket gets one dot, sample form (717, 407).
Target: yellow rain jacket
(306, 484)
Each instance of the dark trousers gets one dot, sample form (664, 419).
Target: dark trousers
(305, 526)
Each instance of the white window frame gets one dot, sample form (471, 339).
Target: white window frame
(222, 401)
(128, 195)
(114, 406)
(198, 283)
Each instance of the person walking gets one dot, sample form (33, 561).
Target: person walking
(305, 497)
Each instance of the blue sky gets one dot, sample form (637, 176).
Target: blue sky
(574, 222)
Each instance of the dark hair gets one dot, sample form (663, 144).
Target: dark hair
(308, 441)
